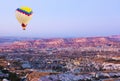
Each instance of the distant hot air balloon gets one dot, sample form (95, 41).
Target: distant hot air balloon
(24, 15)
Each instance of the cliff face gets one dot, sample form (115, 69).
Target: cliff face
(34, 76)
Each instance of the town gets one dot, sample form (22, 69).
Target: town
(61, 59)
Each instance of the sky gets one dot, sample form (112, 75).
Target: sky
(62, 18)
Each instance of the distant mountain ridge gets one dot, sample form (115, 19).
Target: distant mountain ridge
(61, 40)
(13, 39)
(115, 36)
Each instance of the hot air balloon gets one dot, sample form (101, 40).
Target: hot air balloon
(24, 15)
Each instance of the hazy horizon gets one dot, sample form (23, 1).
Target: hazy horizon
(62, 18)
(58, 36)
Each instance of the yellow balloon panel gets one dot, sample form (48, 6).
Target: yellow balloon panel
(26, 8)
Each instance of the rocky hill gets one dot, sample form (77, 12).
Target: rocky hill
(63, 42)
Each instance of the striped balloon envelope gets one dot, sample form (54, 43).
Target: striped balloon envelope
(24, 15)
